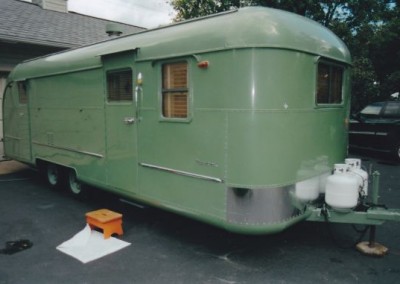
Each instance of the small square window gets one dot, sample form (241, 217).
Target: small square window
(329, 84)
(175, 90)
(22, 93)
(119, 85)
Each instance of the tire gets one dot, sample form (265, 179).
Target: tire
(53, 174)
(396, 152)
(75, 187)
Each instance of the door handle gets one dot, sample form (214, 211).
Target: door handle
(129, 120)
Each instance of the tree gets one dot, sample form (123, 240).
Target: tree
(370, 28)
(385, 52)
(365, 88)
(188, 9)
(321, 11)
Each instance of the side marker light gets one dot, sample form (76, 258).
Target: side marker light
(203, 64)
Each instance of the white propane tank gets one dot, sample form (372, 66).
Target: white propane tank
(307, 189)
(355, 168)
(323, 168)
(322, 182)
(341, 191)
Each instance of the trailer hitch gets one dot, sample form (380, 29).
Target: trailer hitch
(371, 215)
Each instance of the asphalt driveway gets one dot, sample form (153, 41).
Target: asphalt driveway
(166, 248)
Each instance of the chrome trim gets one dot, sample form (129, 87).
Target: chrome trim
(69, 149)
(369, 133)
(362, 132)
(129, 120)
(63, 72)
(182, 173)
(261, 206)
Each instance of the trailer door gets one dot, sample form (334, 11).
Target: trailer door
(17, 142)
(121, 122)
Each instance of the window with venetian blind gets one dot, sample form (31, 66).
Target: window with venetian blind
(119, 85)
(329, 84)
(175, 90)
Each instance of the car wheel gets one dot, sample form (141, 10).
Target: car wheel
(75, 187)
(396, 152)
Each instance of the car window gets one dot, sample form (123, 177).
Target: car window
(372, 110)
(392, 110)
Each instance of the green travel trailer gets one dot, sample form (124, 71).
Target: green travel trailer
(235, 119)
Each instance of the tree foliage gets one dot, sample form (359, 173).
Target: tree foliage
(370, 28)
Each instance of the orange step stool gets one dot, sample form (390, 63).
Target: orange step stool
(109, 221)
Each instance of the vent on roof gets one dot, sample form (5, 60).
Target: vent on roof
(113, 29)
(54, 5)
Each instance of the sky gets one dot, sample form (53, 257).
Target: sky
(142, 13)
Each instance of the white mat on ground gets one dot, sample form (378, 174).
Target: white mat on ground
(88, 245)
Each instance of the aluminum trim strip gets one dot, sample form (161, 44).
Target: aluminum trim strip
(70, 149)
(182, 173)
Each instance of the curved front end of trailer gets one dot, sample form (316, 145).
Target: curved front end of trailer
(282, 137)
(262, 211)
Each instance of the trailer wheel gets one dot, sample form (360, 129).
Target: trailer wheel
(75, 187)
(53, 175)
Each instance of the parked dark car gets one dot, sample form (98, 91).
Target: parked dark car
(377, 127)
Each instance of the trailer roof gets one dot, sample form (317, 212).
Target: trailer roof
(244, 28)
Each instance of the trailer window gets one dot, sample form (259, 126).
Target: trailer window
(175, 90)
(22, 94)
(119, 85)
(329, 84)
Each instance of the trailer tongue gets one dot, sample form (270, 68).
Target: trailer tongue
(365, 213)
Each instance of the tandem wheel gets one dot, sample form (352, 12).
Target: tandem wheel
(58, 177)
(75, 187)
(54, 175)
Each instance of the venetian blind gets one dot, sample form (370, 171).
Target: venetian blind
(175, 90)
(329, 84)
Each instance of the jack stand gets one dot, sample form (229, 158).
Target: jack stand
(371, 247)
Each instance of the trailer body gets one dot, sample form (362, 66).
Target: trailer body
(220, 118)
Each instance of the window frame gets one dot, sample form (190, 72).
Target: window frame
(119, 70)
(330, 64)
(163, 91)
(23, 98)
